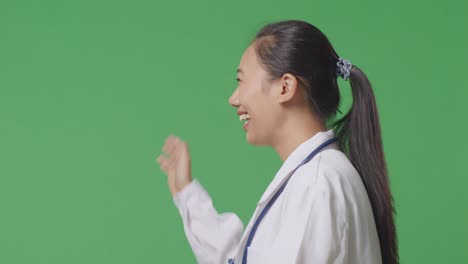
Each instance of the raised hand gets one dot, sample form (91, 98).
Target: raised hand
(175, 162)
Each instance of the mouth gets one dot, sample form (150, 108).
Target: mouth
(244, 118)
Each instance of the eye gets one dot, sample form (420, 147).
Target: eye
(238, 80)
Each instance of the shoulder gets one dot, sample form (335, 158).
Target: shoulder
(334, 169)
(332, 176)
(329, 168)
(339, 180)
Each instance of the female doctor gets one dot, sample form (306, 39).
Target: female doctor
(330, 201)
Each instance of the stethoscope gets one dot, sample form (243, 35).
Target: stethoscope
(275, 196)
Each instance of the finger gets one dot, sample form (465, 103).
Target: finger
(172, 143)
(166, 148)
(172, 162)
(166, 142)
(169, 146)
(179, 144)
(160, 159)
(171, 151)
(170, 167)
(165, 168)
(174, 148)
(183, 149)
(163, 165)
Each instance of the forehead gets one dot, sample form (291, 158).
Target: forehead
(248, 62)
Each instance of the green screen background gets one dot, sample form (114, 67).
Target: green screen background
(89, 90)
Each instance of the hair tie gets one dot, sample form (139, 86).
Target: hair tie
(343, 69)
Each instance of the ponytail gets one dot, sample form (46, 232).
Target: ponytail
(359, 135)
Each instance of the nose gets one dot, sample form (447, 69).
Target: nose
(234, 99)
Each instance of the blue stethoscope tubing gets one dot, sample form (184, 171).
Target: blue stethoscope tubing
(276, 195)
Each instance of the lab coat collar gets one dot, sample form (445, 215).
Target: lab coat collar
(294, 159)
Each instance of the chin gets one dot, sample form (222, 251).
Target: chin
(252, 140)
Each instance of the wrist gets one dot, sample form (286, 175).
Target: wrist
(182, 185)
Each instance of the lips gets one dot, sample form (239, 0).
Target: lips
(241, 113)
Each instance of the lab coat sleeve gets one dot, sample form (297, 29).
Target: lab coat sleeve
(212, 236)
(312, 230)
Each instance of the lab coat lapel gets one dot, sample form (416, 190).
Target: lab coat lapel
(243, 241)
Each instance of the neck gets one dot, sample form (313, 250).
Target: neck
(295, 132)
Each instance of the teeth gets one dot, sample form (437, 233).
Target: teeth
(244, 117)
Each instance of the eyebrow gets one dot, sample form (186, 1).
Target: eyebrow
(239, 71)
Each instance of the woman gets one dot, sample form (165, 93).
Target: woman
(330, 201)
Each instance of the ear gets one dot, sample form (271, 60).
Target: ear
(288, 85)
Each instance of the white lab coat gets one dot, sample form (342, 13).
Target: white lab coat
(323, 216)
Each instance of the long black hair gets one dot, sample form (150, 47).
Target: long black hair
(299, 48)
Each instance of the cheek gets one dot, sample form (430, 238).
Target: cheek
(261, 113)
(246, 92)
(256, 102)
